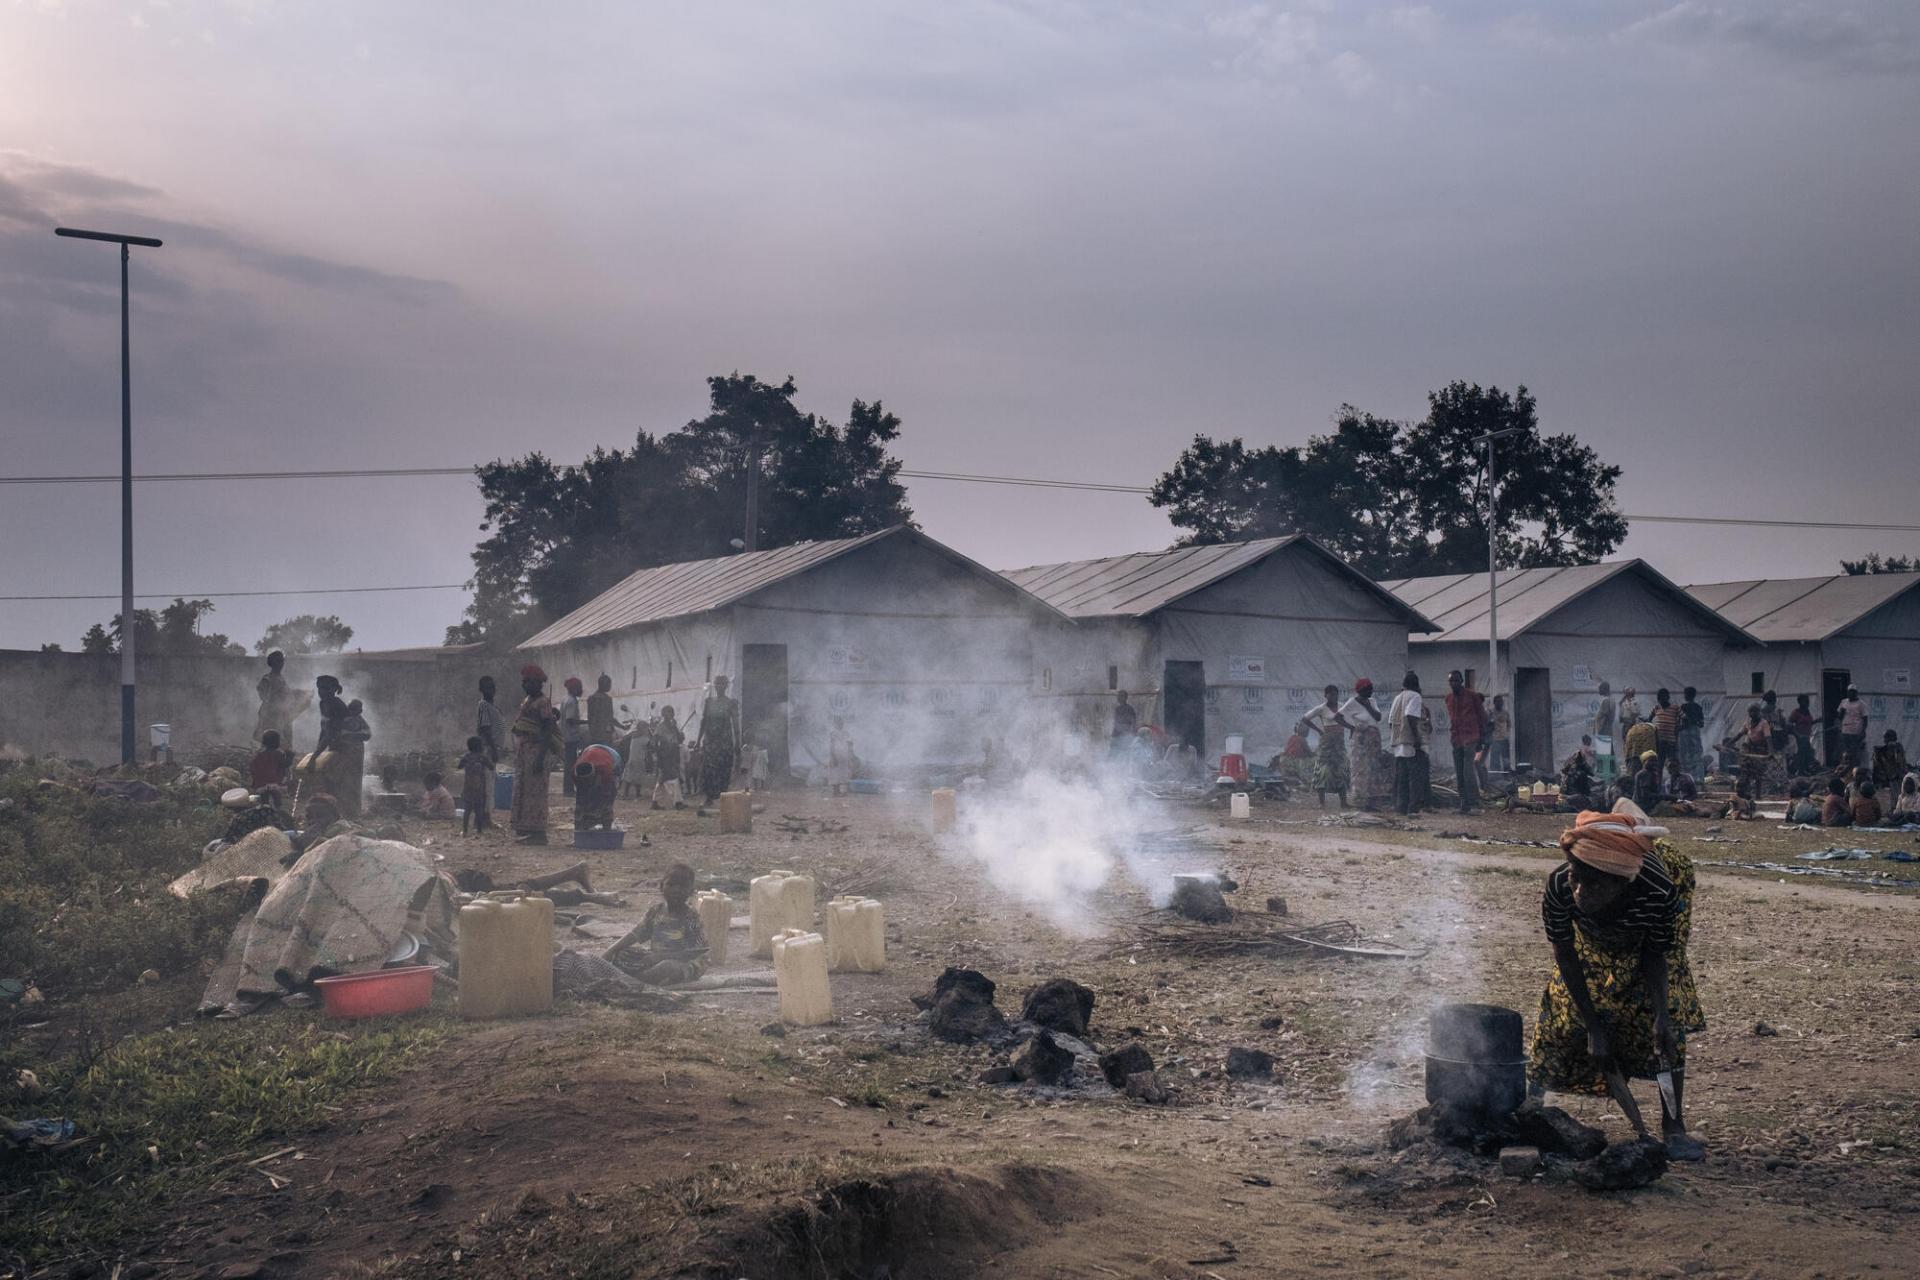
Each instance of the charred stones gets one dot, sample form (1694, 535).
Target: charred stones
(1623, 1166)
(1127, 1060)
(1249, 1064)
(1199, 898)
(1043, 1061)
(960, 1008)
(1059, 1004)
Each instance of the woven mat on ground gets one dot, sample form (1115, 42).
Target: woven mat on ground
(257, 855)
(585, 975)
(342, 908)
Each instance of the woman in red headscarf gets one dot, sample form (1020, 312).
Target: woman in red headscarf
(1621, 1002)
(536, 745)
(1370, 783)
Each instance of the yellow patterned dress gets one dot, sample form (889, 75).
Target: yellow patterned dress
(1661, 907)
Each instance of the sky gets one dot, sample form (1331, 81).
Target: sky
(1057, 238)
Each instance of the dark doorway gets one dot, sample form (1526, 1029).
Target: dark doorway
(763, 704)
(1183, 704)
(1533, 718)
(1833, 692)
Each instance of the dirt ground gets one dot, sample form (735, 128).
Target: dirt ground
(600, 1142)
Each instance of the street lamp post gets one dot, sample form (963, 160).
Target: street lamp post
(1493, 563)
(126, 483)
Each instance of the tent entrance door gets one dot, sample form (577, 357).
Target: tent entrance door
(1183, 704)
(1833, 692)
(1533, 718)
(763, 703)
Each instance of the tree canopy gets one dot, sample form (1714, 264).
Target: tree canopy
(557, 535)
(172, 632)
(307, 633)
(1401, 499)
(1874, 562)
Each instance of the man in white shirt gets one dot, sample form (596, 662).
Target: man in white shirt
(1406, 728)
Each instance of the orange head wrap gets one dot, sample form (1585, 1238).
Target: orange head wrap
(1616, 843)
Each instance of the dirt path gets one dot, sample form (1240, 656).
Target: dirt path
(601, 1142)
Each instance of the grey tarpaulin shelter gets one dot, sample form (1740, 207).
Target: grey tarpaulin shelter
(1821, 635)
(1231, 638)
(1562, 632)
(923, 652)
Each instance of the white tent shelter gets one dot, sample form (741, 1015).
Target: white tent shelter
(1821, 635)
(922, 652)
(1231, 638)
(1562, 632)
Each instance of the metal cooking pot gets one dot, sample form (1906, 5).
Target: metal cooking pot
(1492, 1088)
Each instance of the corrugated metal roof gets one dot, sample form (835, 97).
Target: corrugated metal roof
(1458, 602)
(1134, 586)
(1789, 609)
(699, 586)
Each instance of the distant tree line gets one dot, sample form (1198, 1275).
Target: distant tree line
(1874, 562)
(174, 631)
(1401, 499)
(558, 535)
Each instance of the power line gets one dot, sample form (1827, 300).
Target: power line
(965, 477)
(341, 474)
(230, 595)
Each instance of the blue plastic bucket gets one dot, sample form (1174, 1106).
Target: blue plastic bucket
(503, 789)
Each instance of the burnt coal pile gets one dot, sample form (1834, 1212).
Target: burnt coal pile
(1059, 1004)
(1050, 1047)
(1202, 896)
(1477, 1104)
(960, 1009)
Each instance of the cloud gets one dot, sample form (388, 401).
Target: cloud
(1827, 36)
(35, 193)
(1269, 40)
(301, 268)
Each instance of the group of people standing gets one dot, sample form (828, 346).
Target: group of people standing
(1388, 763)
(596, 749)
(338, 761)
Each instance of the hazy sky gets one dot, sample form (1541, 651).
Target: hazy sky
(1057, 238)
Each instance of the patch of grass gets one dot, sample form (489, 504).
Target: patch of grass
(175, 1111)
(83, 900)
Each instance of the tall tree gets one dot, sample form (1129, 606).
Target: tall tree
(172, 632)
(1399, 499)
(307, 633)
(1874, 562)
(557, 535)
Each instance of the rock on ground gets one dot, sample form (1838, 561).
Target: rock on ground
(1127, 1060)
(1623, 1166)
(1041, 1061)
(1249, 1064)
(1201, 900)
(1551, 1129)
(1059, 1004)
(961, 1009)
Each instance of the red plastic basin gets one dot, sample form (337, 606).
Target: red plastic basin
(369, 995)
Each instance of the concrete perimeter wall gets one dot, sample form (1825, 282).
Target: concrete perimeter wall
(68, 704)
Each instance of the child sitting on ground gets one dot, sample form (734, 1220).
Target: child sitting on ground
(1906, 805)
(1866, 808)
(676, 944)
(1576, 778)
(1646, 782)
(476, 772)
(436, 803)
(1836, 812)
(1800, 806)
